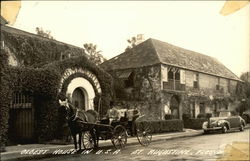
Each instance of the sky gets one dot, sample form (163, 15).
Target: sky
(193, 25)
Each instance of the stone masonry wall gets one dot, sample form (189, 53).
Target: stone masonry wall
(145, 94)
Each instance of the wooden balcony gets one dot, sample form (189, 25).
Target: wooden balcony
(174, 85)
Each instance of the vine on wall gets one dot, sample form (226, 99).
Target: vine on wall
(42, 84)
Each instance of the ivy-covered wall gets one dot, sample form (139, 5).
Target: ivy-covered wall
(105, 80)
(146, 86)
(43, 84)
(145, 94)
(38, 74)
(5, 96)
(34, 50)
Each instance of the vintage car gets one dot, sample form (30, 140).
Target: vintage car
(227, 120)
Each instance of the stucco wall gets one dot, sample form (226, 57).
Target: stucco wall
(207, 81)
(155, 101)
(207, 84)
(189, 78)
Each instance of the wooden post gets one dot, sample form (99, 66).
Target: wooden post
(174, 71)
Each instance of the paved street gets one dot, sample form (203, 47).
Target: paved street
(202, 147)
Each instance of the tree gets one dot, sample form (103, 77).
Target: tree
(94, 55)
(246, 86)
(245, 102)
(41, 32)
(132, 43)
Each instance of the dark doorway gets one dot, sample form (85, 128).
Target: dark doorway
(174, 106)
(21, 120)
(78, 98)
(202, 108)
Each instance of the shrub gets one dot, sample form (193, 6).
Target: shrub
(194, 123)
(160, 126)
(204, 115)
(201, 115)
(186, 116)
(169, 116)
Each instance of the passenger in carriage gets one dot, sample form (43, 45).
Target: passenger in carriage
(133, 114)
(112, 114)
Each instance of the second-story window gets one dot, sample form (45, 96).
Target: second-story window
(170, 74)
(130, 81)
(128, 78)
(177, 75)
(196, 80)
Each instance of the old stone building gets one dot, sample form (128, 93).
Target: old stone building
(160, 79)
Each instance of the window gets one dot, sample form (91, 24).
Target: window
(177, 75)
(196, 78)
(65, 55)
(128, 78)
(170, 74)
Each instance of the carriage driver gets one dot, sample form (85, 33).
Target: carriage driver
(112, 113)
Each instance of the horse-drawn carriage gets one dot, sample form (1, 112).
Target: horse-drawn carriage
(113, 127)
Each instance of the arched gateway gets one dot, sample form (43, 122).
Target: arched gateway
(80, 86)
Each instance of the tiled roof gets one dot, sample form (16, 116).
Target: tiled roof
(153, 51)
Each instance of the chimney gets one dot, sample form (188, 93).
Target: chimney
(140, 38)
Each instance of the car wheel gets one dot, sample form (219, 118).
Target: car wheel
(224, 129)
(241, 127)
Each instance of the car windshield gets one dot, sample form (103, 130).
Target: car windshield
(224, 114)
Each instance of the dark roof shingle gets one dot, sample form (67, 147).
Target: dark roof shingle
(153, 51)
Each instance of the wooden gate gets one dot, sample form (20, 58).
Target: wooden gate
(22, 121)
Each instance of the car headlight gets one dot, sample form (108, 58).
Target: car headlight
(204, 125)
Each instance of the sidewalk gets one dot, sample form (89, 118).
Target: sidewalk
(23, 152)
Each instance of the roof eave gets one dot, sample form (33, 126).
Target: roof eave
(200, 71)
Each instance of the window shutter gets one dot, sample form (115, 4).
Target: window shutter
(183, 76)
(164, 73)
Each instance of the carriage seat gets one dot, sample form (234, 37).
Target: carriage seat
(105, 121)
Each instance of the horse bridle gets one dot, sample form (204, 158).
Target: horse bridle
(68, 117)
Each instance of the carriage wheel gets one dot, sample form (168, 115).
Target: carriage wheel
(87, 140)
(143, 133)
(119, 139)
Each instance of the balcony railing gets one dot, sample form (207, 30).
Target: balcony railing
(174, 85)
